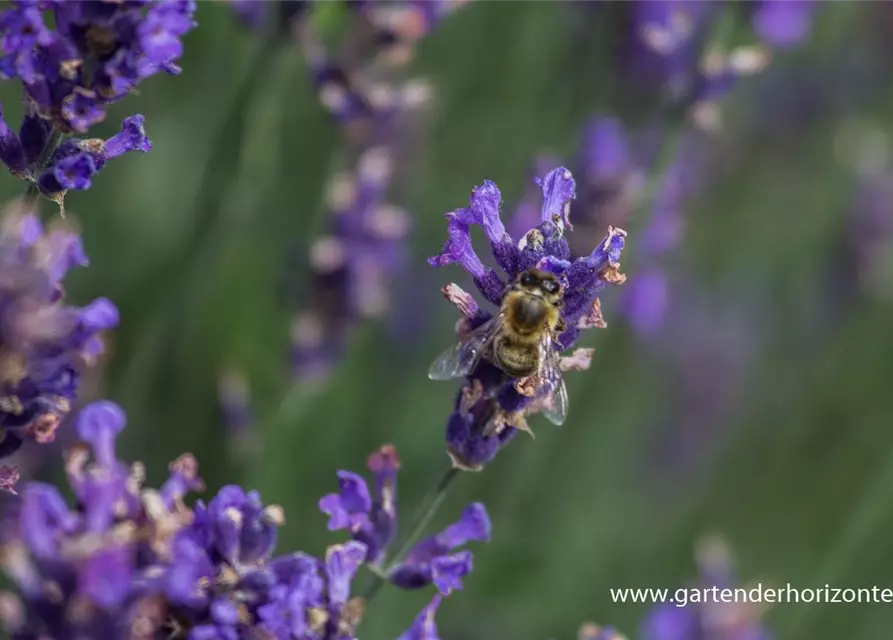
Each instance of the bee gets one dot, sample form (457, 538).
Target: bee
(520, 340)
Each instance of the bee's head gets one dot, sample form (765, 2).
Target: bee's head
(540, 283)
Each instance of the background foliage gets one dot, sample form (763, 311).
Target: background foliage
(796, 469)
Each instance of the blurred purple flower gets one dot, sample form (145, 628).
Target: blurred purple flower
(398, 26)
(352, 265)
(435, 559)
(611, 176)
(424, 626)
(870, 234)
(491, 406)
(74, 163)
(646, 301)
(133, 562)
(44, 343)
(372, 521)
(672, 47)
(782, 23)
(707, 620)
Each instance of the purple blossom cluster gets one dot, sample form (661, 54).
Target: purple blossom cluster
(74, 163)
(352, 263)
(371, 519)
(128, 561)
(491, 407)
(44, 343)
(708, 620)
(356, 259)
(677, 46)
(95, 53)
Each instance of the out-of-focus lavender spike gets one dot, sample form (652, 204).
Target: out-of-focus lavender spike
(646, 301)
(611, 178)
(355, 262)
(44, 344)
(399, 26)
(669, 621)
(352, 265)
(709, 345)
(864, 148)
(677, 47)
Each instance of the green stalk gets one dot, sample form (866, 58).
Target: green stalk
(420, 521)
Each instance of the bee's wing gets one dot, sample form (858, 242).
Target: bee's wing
(460, 359)
(552, 385)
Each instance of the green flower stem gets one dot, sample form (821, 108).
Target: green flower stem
(422, 518)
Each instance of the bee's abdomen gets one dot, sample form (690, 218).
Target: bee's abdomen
(518, 360)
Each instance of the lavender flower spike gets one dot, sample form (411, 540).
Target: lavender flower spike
(370, 521)
(95, 54)
(433, 560)
(44, 344)
(492, 406)
(133, 562)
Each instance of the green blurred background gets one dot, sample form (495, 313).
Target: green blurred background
(795, 468)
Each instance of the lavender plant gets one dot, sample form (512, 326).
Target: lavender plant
(674, 47)
(96, 53)
(44, 342)
(378, 113)
(492, 406)
(128, 561)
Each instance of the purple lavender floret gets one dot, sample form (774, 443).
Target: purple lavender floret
(782, 23)
(424, 627)
(96, 53)
(133, 562)
(370, 518)
(709, 620)
(44, 343)
(488, 397)
(74, 163)
(435, 559)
